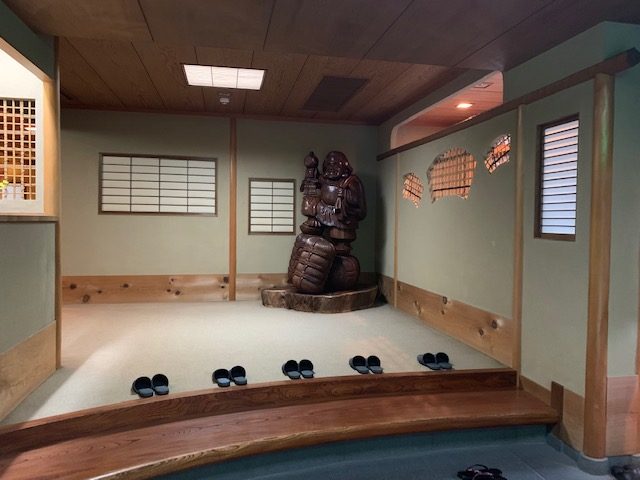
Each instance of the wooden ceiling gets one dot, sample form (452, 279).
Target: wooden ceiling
(127, 54)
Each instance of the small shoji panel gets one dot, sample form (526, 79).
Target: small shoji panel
(18, 148)
(451, 174)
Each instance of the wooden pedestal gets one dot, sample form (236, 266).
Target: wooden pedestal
(338, 302)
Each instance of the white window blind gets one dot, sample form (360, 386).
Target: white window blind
(272, 205)
(149, 184)
(559, 178)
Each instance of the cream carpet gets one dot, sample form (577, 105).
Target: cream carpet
(105, 347)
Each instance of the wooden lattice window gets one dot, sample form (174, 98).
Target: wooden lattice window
(153, 184)
(412, 188)
(451, 174)
(499, 153)
(17, 149)
(272, 206)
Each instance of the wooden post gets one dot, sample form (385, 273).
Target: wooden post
(516, 302)
(595, 419)
(395, 233)
(233, 207)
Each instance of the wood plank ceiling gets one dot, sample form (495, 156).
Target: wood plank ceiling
(128, 54)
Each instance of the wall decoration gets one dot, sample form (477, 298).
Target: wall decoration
(18, 149)
(412, 188)
(451, 174)
(271, 205)
(499, 152)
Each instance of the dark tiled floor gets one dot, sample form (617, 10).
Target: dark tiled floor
(521, 453)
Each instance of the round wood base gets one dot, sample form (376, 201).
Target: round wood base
(338, 302)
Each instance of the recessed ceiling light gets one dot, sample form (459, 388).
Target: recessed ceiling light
(482, 85)
(464, 105)
(224, 77)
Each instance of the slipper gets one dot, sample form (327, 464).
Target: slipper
(474, 471)
(373, 364)
(222, 377)
(443, 361)
(359, 364)
(625, 472)
(291, 369)
(143, 387)
(429, 361)
(239, 375)
(306, 368)
(160, 384)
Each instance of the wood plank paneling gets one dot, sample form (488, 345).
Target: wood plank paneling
(102, 19)
(249, 285)
(144, 288)
(302, 26)
(220, 23)
(164, 65)
(119, 66)
(25, 367)
(623, 415)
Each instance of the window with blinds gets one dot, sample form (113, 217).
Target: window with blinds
(149, 184)
(557, 179)
(272, 206)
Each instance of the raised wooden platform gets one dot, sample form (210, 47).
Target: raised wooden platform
(145, 438)
(336, 302)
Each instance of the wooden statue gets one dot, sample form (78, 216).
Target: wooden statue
(334, 203)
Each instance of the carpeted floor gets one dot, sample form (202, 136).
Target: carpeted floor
(105, 347)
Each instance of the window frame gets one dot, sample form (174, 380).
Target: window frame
(537, 224)
(295, 203)
(214, 160)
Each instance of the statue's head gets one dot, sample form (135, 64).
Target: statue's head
(311, 161)
(336, 165)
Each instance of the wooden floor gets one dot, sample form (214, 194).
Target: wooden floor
(145, 438)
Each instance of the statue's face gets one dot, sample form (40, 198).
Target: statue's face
(335, 166)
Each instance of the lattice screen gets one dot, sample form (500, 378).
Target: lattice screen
(412, 188)
(499, 152)
(451, 173)
(18, 148)
(271, 205)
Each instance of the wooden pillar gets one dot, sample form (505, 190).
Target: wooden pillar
(516, 303)
(395, 232)
(233, 207)
(595, 420)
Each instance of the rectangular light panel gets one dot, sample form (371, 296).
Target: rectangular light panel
(224, 77)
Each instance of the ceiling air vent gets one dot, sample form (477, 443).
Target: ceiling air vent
(332, 93)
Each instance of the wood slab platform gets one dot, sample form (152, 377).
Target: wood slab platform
(336, 302)
(145, 438)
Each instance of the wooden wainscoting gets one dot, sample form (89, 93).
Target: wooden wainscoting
(487, 332)
(24, 367)
(623, 415)
(249, 285)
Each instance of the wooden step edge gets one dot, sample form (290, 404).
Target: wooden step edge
(181, 406)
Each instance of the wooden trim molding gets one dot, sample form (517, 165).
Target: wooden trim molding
(487, 332)
(518, 235)
(233, 207)
(24, 367)
(595, 440)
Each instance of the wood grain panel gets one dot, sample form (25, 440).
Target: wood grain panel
(119, 66)
(541, 393)
(295, 26)
(249, 285)
(144, 288)
(462, 27)
(221, 23)
(80, 82)
(24, 367)
(623, 415)
(215, 401)
(102, 19)
(155, 450)
(164, 65)
(223, 57)
(485, 331)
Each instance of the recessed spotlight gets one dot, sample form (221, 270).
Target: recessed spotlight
(482, 85)
(224, 77)
(464, 105)
(224, 98)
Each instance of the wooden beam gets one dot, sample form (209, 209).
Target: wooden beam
(599, 269)
(516, 302)
(396, 194)
(610, 66)
(233, 207)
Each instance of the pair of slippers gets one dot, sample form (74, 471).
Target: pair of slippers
(224, 377)
(439, 361)
(626, 472)
(481, 472)
(145, 387)
(365, 365)
(295, 370)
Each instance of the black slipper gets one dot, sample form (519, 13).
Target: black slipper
(429, 361)
(443, 361)
(306, 368)
(291, 369)
(160, 384)
(625, 472)
(143, 387)
(239, 375)
(479, 471)
(373, 364)
(222, 377)
(359, 364)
